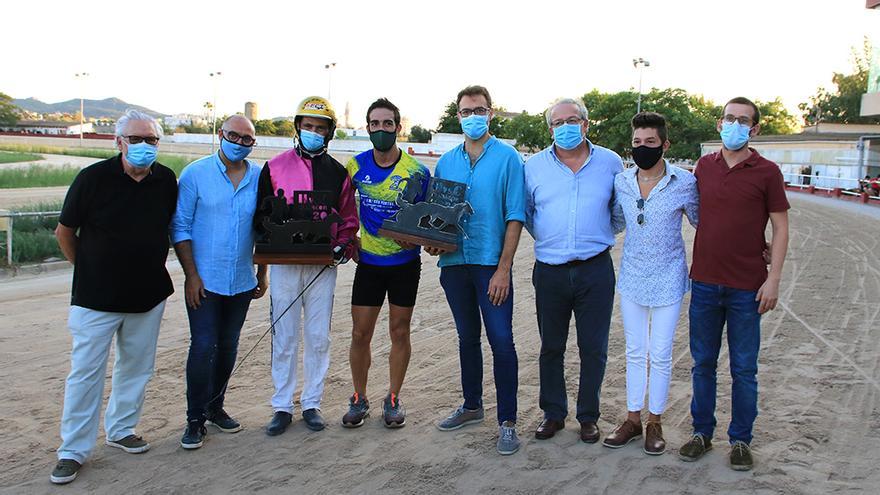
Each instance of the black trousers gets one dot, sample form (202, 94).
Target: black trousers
(585, 288)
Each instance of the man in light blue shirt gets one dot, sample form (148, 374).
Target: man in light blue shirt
(213, 236)
(477, 276)
(569, 199)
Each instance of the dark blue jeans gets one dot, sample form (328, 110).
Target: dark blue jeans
(214, 329)
(466, 289)
(587, 290)
(711, 307)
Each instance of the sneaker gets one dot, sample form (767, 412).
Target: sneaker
(314, 420)
(133, 444)
(358, 410)
(695, 448)
(741, 456)
(393, 412)
(508, 443)
(65, 471)
(223, 422)
(193, 435)
(461, 417)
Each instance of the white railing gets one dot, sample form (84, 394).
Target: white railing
(8, 217)
(848, 186)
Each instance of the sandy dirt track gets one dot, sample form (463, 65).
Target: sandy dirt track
(818, 431)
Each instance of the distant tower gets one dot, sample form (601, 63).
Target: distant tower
(250, 110)
(347, 113)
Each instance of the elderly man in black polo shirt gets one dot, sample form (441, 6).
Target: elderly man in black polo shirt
(114, 229)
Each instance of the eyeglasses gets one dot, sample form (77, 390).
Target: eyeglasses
(729, 119)
(234, 137)
(467, 112)
(151, 140)
(570, 120)
(640, 204)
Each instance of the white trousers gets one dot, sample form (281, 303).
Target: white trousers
(93, 331)
(649, 334)
(311, 313)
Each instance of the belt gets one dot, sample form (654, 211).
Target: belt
(581, 262)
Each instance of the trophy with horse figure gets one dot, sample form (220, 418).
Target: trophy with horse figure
(299, 232)
(435, 222)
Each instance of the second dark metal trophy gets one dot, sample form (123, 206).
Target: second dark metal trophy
(434, 222)
(298, 233)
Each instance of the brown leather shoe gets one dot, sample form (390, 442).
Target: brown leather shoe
(623, 434)
(548, 428)
(654, 443)
(589, 432)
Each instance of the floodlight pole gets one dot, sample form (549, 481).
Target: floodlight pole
(640, 63)
(214, 111)
(80, 76)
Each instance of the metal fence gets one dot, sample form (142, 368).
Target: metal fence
(7, 219)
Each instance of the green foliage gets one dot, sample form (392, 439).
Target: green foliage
(449, 120)
(843, 105)
(775, 118)
(529, 131)
(8, 111)
(14, 157)
(340, 134)
(419, 134)
(33, 238)
(690, 119)
(275, 128)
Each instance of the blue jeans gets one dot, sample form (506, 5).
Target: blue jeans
(466, 289)
(585, 289)
(214, 329)
(711, 307)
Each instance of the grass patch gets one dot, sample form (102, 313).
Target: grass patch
(33, 238)
(14, 157)
(53, 150)
(37, 176)
(47, 176)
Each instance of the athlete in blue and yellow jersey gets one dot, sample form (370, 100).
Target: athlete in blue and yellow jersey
(384, 266)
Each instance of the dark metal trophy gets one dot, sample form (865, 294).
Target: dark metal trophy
(434, 222)
(298, 233)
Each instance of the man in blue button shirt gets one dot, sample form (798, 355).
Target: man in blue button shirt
(569, 199)
(477, 276)
(213, 236)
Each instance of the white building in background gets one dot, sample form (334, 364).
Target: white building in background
(47, 127)
(181, 119)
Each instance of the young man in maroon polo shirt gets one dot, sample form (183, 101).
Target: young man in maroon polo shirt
(739, 191)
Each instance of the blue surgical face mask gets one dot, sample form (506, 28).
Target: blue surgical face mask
(234, 152)
(734, 135)
(475, 126)
(141, 155)
(568, 136)
(311, 141)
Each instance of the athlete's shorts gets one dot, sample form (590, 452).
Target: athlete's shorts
(400, 282)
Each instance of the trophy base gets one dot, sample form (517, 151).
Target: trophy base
(293, 258)
(419, 240)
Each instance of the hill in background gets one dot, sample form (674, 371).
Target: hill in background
(111, 108)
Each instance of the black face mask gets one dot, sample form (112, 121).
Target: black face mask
(646, 157)
(383, 140)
